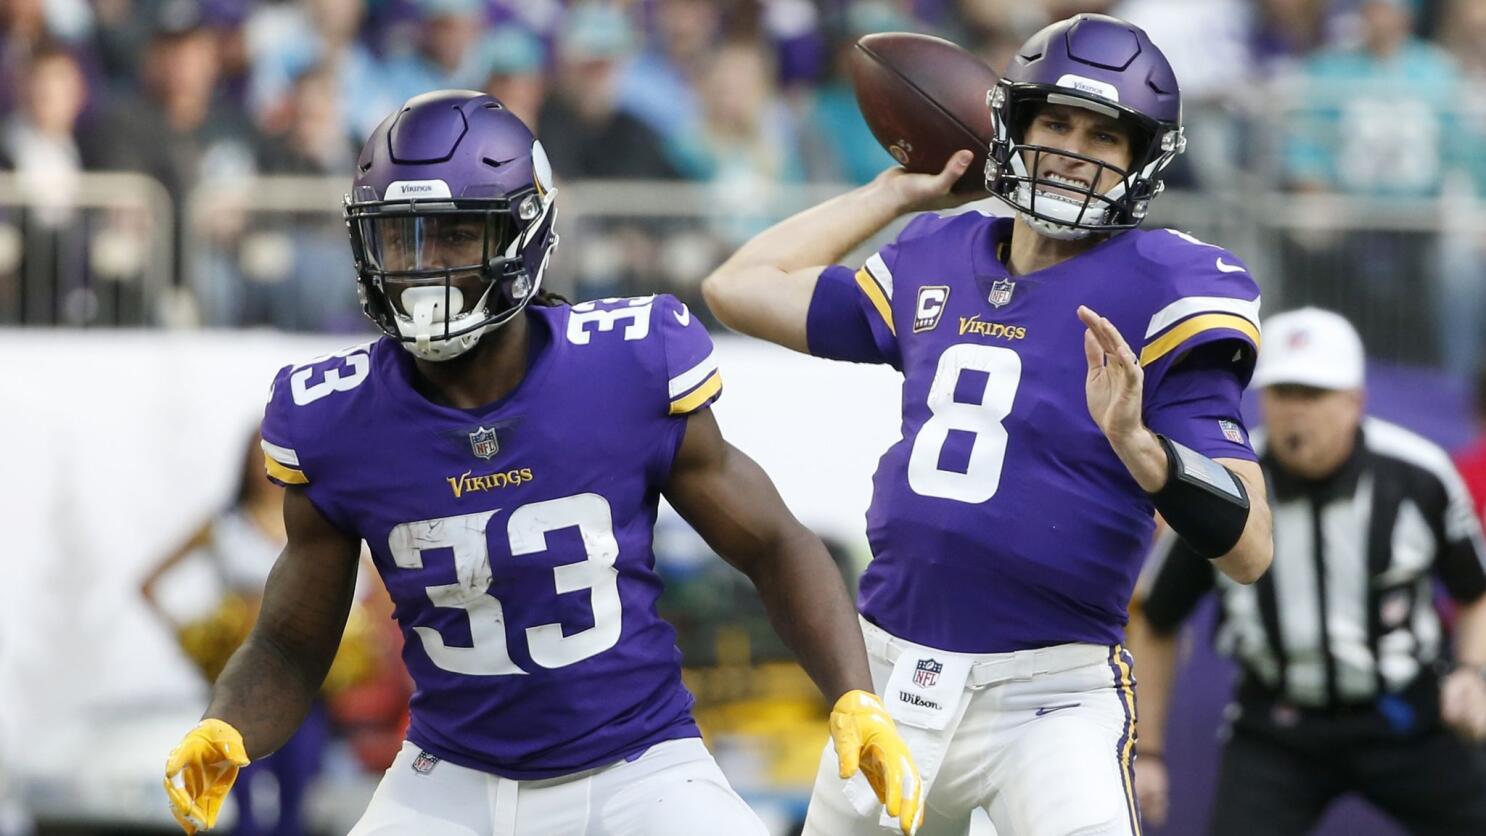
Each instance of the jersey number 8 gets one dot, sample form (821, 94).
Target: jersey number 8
(1002, 368)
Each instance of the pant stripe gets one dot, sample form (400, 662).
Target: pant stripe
(1124, 682)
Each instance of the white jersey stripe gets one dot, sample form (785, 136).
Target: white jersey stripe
(877, 269)
(1189, 305)
(282, 455)
(694, 375)
(1295, 584)
(1344, 528)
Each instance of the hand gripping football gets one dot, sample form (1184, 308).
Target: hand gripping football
(924, 99)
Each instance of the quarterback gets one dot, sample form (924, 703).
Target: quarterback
(502, 454)
(1065, 377)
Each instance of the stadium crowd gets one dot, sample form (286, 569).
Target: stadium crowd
(1375, 100)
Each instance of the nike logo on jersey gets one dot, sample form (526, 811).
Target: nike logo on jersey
(1224, 267)
(683, 316)
(1048, 709)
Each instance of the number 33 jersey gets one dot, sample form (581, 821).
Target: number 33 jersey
(1002, 519)
(515, 539)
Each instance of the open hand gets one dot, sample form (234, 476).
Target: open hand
(1114, 384)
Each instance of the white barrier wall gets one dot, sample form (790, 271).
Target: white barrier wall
(117, 445)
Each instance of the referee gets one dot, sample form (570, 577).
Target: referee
(1344, 685)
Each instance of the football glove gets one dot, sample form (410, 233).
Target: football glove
(866, 738)
(200, 771)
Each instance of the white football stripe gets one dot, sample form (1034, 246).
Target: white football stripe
(282, 455)
(877, 269)
(689, 379)
(1185, 307)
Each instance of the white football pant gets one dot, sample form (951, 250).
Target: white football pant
(674, 789)
(1045, 745)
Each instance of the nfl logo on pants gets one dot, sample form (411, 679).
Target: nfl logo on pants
(926, 673)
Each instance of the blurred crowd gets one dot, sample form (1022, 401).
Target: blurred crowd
(1380, 101)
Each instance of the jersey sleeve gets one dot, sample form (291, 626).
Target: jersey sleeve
(851, 313)
(693, 379)
(1198, 404)
(1172, 583)
(1209, 297)
(280, 458)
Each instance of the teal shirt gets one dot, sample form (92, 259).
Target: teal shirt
(1380, 127)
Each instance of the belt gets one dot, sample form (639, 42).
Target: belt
(991, 668)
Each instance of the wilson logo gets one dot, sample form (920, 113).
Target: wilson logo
(467, 483)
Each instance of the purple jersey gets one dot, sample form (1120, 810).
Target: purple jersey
(1002, 519)
(515, 539)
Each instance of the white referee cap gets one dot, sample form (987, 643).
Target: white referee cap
(1310, 347)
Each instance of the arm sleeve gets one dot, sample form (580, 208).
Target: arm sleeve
(1462, 557)
(693, 379)
(1197, 403)
(280, 458)
(851, 313)
(1173, 582)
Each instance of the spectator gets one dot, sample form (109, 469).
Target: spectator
(1374, 121)
(291, 275)
(240, 544)
(178, 130)
(285, 41)
(1286, 32)
(27, 26)
(851, 153)
(660, 85)
(748, 141)
(581, 126)
(515, 69)
(1462, 305)
(39, 141)
(447, 54)
(317, 142)
(1339, 643)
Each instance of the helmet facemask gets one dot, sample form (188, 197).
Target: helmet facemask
(437, 274)
(1067, 211)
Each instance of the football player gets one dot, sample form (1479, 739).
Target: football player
(1065, 376)
(502, 453)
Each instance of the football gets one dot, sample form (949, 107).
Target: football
(924, 99)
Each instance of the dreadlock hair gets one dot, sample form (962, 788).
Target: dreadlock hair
(549, 299)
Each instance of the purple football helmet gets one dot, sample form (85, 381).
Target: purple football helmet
(1103, 64)
(451, 218)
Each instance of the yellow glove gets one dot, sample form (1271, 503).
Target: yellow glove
(200, 771)
(865, 736)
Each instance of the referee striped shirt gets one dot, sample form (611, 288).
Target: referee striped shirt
(1346, 611)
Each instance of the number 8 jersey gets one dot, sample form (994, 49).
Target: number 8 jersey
(1002, 519)
(515, 539)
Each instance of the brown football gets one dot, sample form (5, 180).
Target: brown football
(924, 99)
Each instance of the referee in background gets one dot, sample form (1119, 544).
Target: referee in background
(1346, 680)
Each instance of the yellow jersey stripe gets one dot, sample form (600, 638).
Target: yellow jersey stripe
(698, 396)
(284, 473)
(879, 299)
(1169, 341)
(1127, 750)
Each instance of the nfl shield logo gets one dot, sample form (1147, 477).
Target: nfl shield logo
(926, 673)
(1001, 292)
(483, 443)
(424, 763)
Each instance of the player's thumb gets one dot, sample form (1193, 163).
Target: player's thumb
(953, 168)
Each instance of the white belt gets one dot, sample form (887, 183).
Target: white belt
(991, 668)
